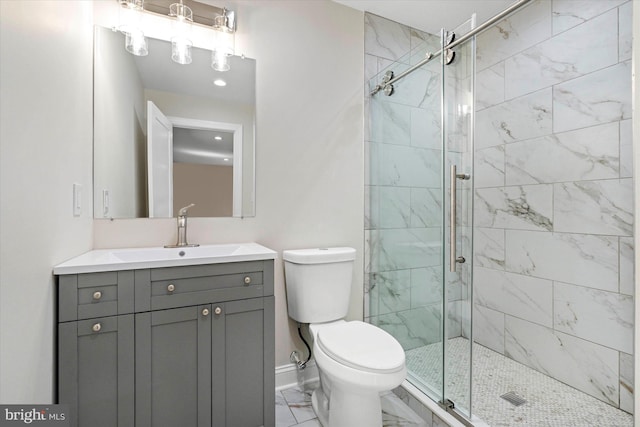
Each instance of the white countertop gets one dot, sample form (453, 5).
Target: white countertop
(138, 258)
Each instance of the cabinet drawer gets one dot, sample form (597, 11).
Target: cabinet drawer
(98, 301)
(184, 286)
(198, 290)
(91, 295)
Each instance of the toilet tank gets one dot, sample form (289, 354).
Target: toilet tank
(318, 283)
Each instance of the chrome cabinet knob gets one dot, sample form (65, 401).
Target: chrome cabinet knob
(97, 295)
(247, 280)
(96, 327)
(171, 287)
(205, 311)
(218, 310)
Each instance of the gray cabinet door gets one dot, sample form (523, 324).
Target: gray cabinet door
(203, 370)
(95, 371)
(249, 354)
(173, 367)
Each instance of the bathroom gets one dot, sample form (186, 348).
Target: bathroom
(311, 162)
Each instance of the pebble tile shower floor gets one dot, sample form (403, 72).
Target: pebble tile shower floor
(550, 403)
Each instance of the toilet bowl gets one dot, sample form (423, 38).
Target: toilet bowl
(356, 360)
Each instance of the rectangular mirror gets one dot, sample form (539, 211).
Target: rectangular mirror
(166, 136)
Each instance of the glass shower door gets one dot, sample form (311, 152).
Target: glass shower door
(417, 133)
(404, 216)
(457, 133)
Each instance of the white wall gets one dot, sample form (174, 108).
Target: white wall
(45, 147)
(309, 145)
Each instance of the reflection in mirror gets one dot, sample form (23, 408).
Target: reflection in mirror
(165, 136)
(203, 155)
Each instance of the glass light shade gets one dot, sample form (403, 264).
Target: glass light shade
(220, 61)
(132, 4)
(136, 43)
(223, 47)
(224, 41)
(181, 12)
(181, 50)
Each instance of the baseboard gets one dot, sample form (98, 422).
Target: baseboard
(289, 375)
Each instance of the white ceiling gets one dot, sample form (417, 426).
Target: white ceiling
(430, 15)
(199, 146)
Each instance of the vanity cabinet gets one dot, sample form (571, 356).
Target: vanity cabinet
(174, 346)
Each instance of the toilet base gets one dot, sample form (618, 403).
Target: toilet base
(347, 409)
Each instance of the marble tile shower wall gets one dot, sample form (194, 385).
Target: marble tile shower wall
(402, 218)
(553, 277)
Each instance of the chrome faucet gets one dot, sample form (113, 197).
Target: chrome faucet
(182, 229)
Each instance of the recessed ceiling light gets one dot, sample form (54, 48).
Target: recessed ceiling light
(217, 138)
(219, 82)
(226, 160)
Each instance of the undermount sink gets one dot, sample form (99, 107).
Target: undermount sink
(138, 258)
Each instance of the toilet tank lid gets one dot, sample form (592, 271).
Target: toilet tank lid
(319, 255)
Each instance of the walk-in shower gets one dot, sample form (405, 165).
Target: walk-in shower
(499, 210)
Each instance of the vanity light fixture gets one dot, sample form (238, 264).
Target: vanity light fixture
(224, 40)
(130, 16)
(223, 25)
(180, 42)
(219, 82)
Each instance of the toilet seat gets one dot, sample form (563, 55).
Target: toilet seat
(362, 346)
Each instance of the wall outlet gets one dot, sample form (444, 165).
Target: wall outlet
(77, 199)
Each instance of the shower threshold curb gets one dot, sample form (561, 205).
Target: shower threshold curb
(437, 409)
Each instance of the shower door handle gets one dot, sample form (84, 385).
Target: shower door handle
(453, 258)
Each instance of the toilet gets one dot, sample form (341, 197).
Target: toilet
(356, 361)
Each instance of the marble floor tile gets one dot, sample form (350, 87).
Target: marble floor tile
(311, 423)
(299, 402)
(284, 416)
(395, 412)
